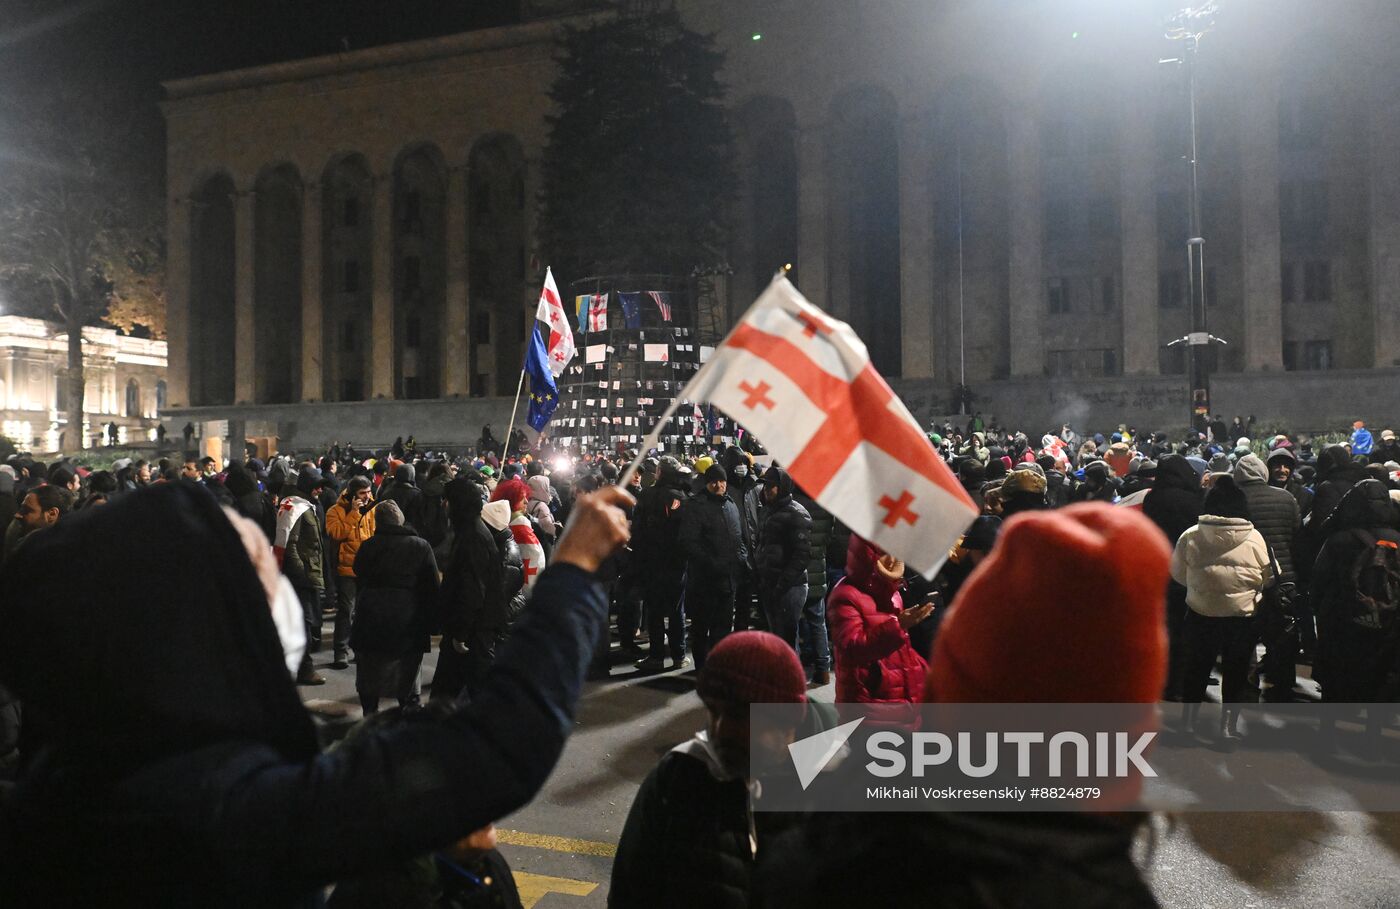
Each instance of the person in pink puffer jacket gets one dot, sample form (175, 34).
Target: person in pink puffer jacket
(875, 663)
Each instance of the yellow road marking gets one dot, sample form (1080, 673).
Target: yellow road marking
(556, 843)
(533, 887)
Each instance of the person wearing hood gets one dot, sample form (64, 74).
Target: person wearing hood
(248, 501)
(1283, 467)
(1100, 485)
(1361, 441)
(875, 662)
(474, 602)
(398, 585)
(744, 490)
(976, 448)
(1274, 513)
(1356, 638)
(540, 513)
(1174, 505)
(296, 544)
(1224, 564)
(692, 838)
(1336, 473)
(181, 767)
(784, 542)
(712, 537)
(658, 555)
(430, 520)
(349, 522)
(404, 491)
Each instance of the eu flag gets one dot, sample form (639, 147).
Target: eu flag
(544, 394)
(631, 308)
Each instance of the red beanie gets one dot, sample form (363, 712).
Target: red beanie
(513, 491)
(752, 667)
(1068, 608)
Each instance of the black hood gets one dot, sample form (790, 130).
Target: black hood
(238, 481)
(405, 475)
(464, 501)
(1367, 504)
(171, 653)
(1333, 457)
(1175, 472)
(775, 475)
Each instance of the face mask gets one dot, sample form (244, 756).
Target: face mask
(291, 628)
(741, 471)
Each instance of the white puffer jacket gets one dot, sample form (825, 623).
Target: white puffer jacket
(1224, 565)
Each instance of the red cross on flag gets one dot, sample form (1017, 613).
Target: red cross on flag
(560, 349)
(803, 383)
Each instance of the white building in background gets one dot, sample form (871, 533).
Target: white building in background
(125, 385)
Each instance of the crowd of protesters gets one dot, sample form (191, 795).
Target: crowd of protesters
(514, 559)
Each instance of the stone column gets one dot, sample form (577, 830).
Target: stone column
(812, 214)
(1259, 222)
(245, 359)
(916, 245)
(313, 318)
(179, 222)
(1138, 220)
(1385, 230)
(456, 363)
(1025, 264)
(381, 329)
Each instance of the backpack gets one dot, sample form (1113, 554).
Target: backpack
(1374, 583)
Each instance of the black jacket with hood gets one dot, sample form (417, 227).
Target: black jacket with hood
(1336, 473)
(1272, 511)
(183, 770)
(1174, 503)
(712, 538)
(398, 588)
(785, 531)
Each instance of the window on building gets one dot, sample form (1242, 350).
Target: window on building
(1054, 138)
(478, 389)
(1317, 355)
(1108, 361)
(60, 394)
(1302, 209)
(1170, 289)
(412, 274)
(350, 213)
(161, 392)
(1058, 290)
(1173, 220)
(413, 331)
(350, 279)
(1317, 281)
(1103, 217)
(481, 327)
(1108, 293)
(1059, 362)
(352, 390)
(1171, 360)
(412, 212)
(1290, 355)
(1288, 292)
(133, 398)
(349, 336)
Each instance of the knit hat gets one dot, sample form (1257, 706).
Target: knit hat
(1225, 500)
(1023, 481)
(716, 474)
(1099, 639)
(753, 667)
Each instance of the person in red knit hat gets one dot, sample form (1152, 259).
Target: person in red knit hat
(692, 836)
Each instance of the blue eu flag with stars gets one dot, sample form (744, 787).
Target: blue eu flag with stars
(544, 394)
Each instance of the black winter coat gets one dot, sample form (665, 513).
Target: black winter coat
(785, 531)
(656, 526)
(745, 494)
(1272, 511)
(823, 524)
(712, 538)
(398, 586)
(1336, 473)
(1174, 503)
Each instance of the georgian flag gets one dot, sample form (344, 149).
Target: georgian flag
(803, 383)
(598, 312)
(531, 552)
(560, 349)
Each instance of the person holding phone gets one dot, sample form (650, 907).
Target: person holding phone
(349, 522)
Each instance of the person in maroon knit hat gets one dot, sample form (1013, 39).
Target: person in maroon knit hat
(692, 836)
(875, 663)
(1066, 608)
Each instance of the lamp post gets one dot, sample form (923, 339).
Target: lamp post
(1189, 26)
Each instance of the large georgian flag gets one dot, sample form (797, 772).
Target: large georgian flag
(803, 383)
(560, 348)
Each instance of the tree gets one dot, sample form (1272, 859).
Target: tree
(637, 171)
(76, 219)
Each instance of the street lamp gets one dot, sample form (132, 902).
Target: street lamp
(1189, 26)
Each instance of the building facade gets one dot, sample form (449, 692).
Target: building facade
(1005, 183)
(125, 385)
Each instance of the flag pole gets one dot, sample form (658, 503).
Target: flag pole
(515, 408)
